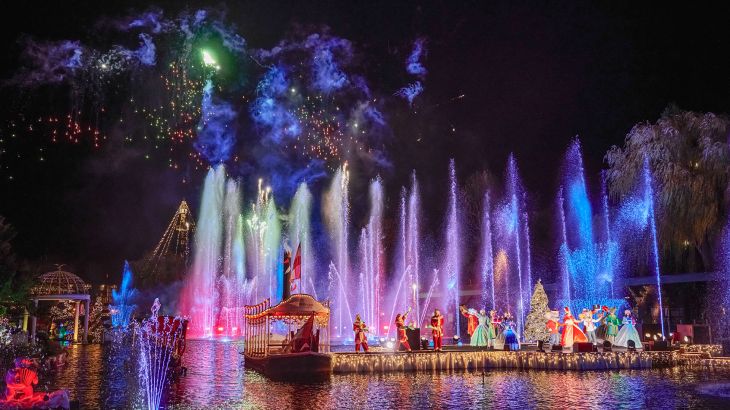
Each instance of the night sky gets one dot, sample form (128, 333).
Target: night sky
(532, 78)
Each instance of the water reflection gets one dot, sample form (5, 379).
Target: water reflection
(101, 378)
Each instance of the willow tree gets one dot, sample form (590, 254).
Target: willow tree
(687, 153)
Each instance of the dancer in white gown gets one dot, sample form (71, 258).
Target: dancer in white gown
(628, 332)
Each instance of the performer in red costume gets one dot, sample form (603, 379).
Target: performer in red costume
(473, 321)
(571, 332)
(437, 325)
(553, 326)
(400, 324)
(360, 338)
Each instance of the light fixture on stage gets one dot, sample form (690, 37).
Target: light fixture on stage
(631, 346)
(607, 346)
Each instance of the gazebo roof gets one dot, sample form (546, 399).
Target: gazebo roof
(59, 282)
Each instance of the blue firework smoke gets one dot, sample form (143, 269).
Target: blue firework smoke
(50, 62)
(145, 54)
(216, 131)
(328, 76)
(410, 92)
(230, 39)
(414, 66)
(328, 55)
(152, 20)
(269, 112)
(413, 63)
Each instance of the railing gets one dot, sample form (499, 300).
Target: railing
(256, 329)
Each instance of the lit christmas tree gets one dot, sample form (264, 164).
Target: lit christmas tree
(95, 326)
(535, 329)
(62, 317)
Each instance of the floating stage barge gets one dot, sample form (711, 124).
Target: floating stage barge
(428, 361)
(305, 352)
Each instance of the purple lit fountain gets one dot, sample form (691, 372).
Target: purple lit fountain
(161, 342)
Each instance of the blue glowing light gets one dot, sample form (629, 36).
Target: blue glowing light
(122, 309)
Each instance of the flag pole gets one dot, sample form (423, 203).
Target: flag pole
(299, 247)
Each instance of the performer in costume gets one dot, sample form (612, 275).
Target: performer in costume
(501, 326)
(360, 337)
(589, 325)
(400, 324)
(491, 331)
(611, 325)
(472, 321)
(437, 325)
(571, 333)
(480, 337)
(553, 326)
(601, 329)
(510, 336)
(628, 332)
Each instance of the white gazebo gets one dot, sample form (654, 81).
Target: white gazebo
(60, 285)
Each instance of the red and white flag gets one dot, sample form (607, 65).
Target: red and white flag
(297, 265)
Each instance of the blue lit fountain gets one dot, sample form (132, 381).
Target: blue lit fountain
(122, 309)
(588, 259)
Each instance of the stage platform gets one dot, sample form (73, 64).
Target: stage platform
(468, 359)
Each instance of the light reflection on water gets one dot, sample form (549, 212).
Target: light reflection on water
(217, 379)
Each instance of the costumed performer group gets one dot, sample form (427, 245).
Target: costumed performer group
(605, 318)
(488, 330)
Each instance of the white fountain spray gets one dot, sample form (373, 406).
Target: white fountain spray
(513, 190)
(300, 232)
(263, 230)
(452, 270)
(564, 250)
(233, 280)
(528, 248)
(200, 296)
(487, 255)
(649, 197)
(337, 216)
(413, 241)
(374, 255)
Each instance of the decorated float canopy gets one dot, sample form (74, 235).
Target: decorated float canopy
(296, 308)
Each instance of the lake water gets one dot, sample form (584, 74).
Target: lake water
(217, 379)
